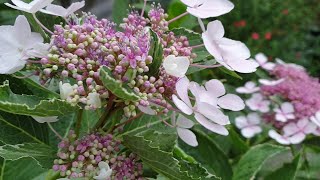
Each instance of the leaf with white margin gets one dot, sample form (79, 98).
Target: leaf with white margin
(32, 105)
(116, 87)
(43, 154)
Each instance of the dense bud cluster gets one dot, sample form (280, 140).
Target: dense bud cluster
(80, 158)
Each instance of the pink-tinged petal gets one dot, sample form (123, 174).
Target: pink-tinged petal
(241, 122)
(215, 87)
(270, 82)
(249, 132)
(280, 117)
(182, 90)
(233, 50)
(290, 129)
(22, 30)
(11, 62)
(56, 10)
(21, 4)
(36, 5)
(196, 90)
(210, 125)
(181, 105)
(184, 122)
(297, 138)
(302, 123)
(75, 7)
(212, 113)
(147, 110)
(212, 47)
(269, 66)
(243, 66)
(310, 128)
(316, 119)
(254, 119)
(187, 136)
(192, 3)
(279, 138)
(176, 66)
(249, 87)
(215, 29)
(231, 102)
(211, 8)
(287, 107)
(261, 58)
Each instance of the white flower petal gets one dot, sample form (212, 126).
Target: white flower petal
(249, 132)
(105, 171)
(215, 29)
(297, 138)
(279, 138)
(212, 113)
(231, 102)
(215, 88)
(270, 82)
(184, 122)
(211, 8)
(241, 122)
(261, 58)
(94, 100)
(176, 66)
(287, 107)
(210, 125)
(182, 105)
(254, 119)
(182, 90)
(66, 90)
(243, 66)
(187, 136)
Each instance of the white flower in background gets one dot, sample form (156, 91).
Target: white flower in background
(229, 53)
(208, 8)
(147, 110)
(263, 62)
(294, 133)
(183, 125)
(249, 125)
(94, 100)
(281, 62)
(15, 42)
(105, 171)
(32, 7)
(39, 50)
(258, 103)
(176, 66)
(285, 112)
(267, 82)
(45, 119)
(316, 118)
(61, 11)
(66, 90)
(208, 101)
(249, 88)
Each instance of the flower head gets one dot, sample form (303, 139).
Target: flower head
(31, 7)
(285, 112)
(258, 103)
(249, 88)
(229, 53)
(208, 8)
(249, 125)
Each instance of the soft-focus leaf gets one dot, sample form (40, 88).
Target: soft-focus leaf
(288, 171)
(121, 10)
(43, 154)
(156, 51)
(16, 129)
(118, 88)
(159, 155)
(209, 155)
(251, 162)
(32, 105)
(231, 73)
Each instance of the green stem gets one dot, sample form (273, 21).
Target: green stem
(79, 121)
(105, 114)
(126, 122)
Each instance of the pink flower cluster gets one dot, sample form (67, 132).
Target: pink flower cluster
(79, 158)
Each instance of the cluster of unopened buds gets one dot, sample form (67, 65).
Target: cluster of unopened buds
(95, 156)
(82, 46)
(290, 103)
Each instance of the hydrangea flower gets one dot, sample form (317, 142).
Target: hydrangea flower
(249, 125)
(285, 112)
(63, 12)
(294, 133)
(176, 66)
(32, 7)
(15, 42)
(249, 88)
(208, 8)
(258, 103)
(229, 53)
(316, 119)
(263, 62)
(209, 100)
(183, 126)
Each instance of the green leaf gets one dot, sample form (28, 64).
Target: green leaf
(209, 155)
(159, 155)
(16, 129)
(43, 154)
(288, 171)
(32, 105)
(231, 73)
(121, 10)
(156, 51)
(194, 40)
(118, 88)
(250, 164)
(25, 168)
